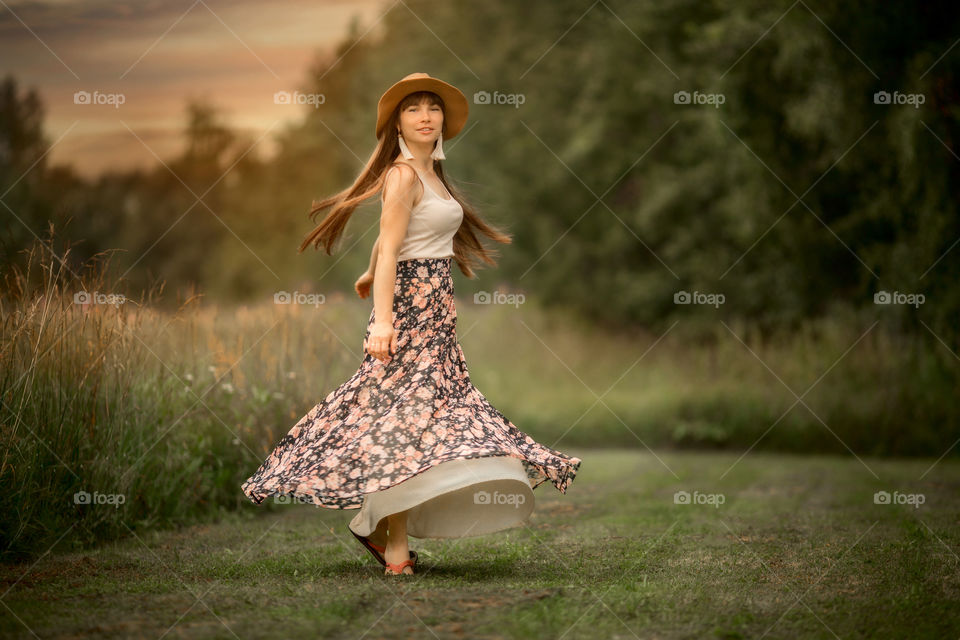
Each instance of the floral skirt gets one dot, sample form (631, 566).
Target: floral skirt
(398, 420)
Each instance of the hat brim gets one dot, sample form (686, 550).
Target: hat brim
(456, 107)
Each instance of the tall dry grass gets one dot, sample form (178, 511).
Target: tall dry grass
(115, 415)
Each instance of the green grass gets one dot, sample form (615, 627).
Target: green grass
(613, 558)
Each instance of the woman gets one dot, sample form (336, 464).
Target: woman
(408, 439)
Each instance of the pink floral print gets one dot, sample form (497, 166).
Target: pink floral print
(395, 419)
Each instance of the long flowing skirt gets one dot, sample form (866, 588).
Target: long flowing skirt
(414, 433)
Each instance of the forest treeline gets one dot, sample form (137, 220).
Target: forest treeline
(776, 162)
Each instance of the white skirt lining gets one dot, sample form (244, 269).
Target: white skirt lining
(455, 499)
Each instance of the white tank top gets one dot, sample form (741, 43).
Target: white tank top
(434, 222)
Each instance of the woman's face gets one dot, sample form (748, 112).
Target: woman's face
(421, 122)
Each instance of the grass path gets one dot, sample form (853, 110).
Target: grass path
(797, 549)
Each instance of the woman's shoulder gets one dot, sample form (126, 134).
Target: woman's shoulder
(410, 172)
(406, 177)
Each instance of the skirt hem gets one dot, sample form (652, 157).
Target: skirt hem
(561, 478)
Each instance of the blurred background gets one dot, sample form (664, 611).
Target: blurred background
(734, 226)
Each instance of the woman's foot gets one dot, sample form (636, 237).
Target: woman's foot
(397, 554)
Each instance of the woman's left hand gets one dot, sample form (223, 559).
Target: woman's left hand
(363, 283)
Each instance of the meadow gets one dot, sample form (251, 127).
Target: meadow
(161, 416)
(783, 546)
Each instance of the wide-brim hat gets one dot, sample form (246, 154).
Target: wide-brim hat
(455, 103)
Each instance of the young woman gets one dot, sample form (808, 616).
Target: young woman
(408, 439)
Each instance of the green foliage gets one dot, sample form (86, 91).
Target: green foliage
(617, 197)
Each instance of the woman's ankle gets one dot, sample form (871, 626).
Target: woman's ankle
(397, 543)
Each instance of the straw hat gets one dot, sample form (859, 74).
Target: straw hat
(454, 102)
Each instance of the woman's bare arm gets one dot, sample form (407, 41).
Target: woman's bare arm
(400, 191)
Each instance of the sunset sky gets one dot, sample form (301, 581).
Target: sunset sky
(157, 55)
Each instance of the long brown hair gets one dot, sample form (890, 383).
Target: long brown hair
(468, 252)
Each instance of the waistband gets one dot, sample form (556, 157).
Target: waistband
(424, 267)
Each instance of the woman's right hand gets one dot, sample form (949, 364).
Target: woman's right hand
(382, 342)
(362, 285)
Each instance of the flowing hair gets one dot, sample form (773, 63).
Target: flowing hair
(468, 252)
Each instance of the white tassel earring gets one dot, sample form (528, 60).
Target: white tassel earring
(404, 149)
(438, 150)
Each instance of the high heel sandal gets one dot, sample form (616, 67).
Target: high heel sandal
(377, 551)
